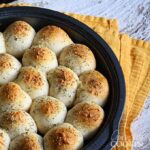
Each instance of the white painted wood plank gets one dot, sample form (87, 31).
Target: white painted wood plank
(133, 15)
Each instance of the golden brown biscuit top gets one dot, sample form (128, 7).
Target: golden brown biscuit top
(5, 61)
(87, 114)
(40, 53)
(95, 82)
(10, 91)
(49, 107)
(63, 136)
(20, 28)
(1, 140)
(52, 31)
(29, 143)
(13, 117)
(32, 78)
(64, 77)
(79, 50)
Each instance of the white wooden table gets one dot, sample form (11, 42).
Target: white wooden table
(134, 19)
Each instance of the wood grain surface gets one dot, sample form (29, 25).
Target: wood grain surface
(134, 19)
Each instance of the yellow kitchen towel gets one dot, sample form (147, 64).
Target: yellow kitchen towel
(133, 57)
(125, 61)
(13, 5)
(139, 68)
(143, 87)
(135, 67)
(107, 28)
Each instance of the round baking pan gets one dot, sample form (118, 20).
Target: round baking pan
(107, 64)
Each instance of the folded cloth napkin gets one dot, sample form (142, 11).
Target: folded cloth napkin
(133, 57)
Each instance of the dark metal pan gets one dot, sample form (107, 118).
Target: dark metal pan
(107, 64)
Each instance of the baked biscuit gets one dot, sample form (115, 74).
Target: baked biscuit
(9, 68)
(93, 87)
(52, 37)
(18, 37)
(78, 58)
(33, 82)
(27, 141)
(41, 58)
(63, 137)
(2, 44)
(4, 140)
(63, 84)
(17, 122)
(47, 112)
(12, 97)
(86, 117)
